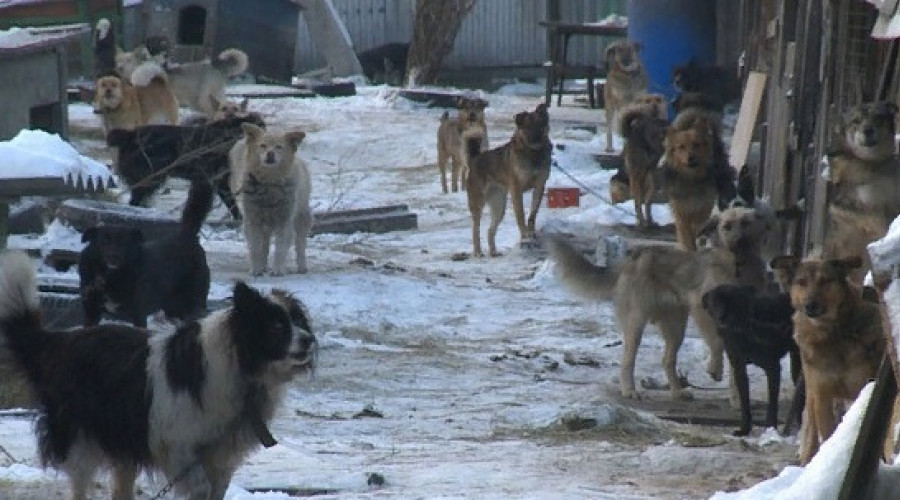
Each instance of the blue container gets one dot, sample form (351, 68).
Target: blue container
(672, 31)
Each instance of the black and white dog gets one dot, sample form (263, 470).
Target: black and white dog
(190, 403)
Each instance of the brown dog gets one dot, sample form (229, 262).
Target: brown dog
(644, 133)
(146, 100)
(521, 164)
(687, 173)
(839, 335)
(450, 145)
(626, 78)
(663, 285)
(865, 181)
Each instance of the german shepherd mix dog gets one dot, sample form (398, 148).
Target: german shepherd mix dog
(272, 187)
(840, 337)
(130, 278)
(190, 403)
(147, 156)
(758, 329)
(626, 78)
(146, 100)
(644, 134)
(450, 143)
(663, 285)
(865, 182)
(521, 164)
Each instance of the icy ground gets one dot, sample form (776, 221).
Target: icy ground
(448, 378)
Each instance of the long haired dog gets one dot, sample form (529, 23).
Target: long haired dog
(865, 183)
(626, 78)
(272, 188)
(664, 285)
(644, 133)
(468, 123)
(688, 178)
(757, 329)
(839, 335)
(521, 164)
(190, 403)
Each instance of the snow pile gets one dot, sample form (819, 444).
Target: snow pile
(35, 153)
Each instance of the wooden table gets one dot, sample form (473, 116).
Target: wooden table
(558, 35)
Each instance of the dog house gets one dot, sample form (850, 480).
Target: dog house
(265, 29)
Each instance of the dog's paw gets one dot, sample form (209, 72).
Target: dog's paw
(743, 431)
(496, 254)
(631, 394)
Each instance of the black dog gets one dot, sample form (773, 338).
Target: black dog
(757, 329)
(131, 278)
(148, 155)
(718, 85)
(385, 63)
(104, 49)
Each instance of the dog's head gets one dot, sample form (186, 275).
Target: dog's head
(869, 130)
(533, 127)
(646, 129)
(228, 108)
(653, 104)
(158, 47)
(737, 229)
(820, 289)
(729, 305)
(109, 94)
(623, 56)
(689, 152)
(269, 149)
(116, 245)
(471, 110)
(272, 334)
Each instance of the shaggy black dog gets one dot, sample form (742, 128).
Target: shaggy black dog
(104, 49)
(130, 278)
(758, 329)
(385, 63)
(148, 155)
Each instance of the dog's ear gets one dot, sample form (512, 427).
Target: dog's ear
(89, 234)
(541, 110)
(294, 138)
(609, 56)
(707, 234)
(520, 118)
(482, 104)
(845, 265)
(246, 298)
(252, 132)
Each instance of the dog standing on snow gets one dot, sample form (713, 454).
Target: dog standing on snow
(272, 189)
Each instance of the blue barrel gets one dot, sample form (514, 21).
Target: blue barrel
(672, 31)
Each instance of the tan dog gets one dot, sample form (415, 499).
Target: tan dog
(521, 164)
(147, 100)
(839, 335)
(272, 188)
(688, 177)
(663, 285)
(644, 133)
(450, 140)
(626, 78)
(865, 180)
(228, 109)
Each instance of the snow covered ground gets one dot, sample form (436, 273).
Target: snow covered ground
(448, 378)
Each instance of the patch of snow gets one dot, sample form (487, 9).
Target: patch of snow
(36, 153)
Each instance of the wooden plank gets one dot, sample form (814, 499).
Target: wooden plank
(743, 132)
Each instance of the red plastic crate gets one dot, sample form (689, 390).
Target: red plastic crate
(563, 197)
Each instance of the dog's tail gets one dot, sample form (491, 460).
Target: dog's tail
(580, 275)
(232, 62)
(197, 207)
(147, 73)
(23, 337)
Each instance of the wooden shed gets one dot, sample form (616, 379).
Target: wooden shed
(39, 13)
(33, 63)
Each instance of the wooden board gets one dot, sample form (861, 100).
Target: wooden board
(743, 132)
